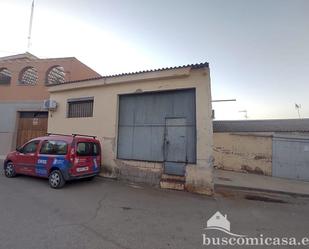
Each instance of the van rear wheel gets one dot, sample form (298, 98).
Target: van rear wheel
(56, 179)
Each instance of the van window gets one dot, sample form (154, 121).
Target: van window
(30, 147)
(54, 148)
(87, 149)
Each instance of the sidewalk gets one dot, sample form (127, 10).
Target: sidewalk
(2, 160)
(229, 180)
(233, 181)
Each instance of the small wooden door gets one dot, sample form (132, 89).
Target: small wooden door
(31, 125)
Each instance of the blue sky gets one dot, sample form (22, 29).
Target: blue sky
(258, 50)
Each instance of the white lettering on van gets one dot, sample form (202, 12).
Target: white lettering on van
(42, 161)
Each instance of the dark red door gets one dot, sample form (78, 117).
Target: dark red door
(27, 157)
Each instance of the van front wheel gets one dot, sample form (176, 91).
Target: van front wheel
(56, 179)
(9, 170)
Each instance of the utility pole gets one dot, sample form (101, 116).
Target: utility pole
(223, 100)
(30, 26)
(219, 100)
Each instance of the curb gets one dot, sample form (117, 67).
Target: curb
(267, 191)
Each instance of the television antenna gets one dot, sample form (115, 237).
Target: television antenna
(297, 107)
(245, 113)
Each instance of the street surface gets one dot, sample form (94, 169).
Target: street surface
(115, 215)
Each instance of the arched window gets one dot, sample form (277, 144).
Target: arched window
(28, 76)
(55, 75)
(5, 76)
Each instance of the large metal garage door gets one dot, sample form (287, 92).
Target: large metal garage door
(158, 126)
(291, 157)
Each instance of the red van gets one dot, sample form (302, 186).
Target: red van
(58, 157)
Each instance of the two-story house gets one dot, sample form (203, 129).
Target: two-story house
(23, 88)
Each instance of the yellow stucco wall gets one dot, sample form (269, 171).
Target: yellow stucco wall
(246, 152)
(104, 121)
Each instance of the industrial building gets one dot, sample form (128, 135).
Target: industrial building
(154, 126)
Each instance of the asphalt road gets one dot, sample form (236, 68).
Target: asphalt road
(116, 215)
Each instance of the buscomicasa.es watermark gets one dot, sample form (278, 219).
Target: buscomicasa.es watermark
(221, 223)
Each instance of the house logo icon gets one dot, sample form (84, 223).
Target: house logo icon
(221, 223)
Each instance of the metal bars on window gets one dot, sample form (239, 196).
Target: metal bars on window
(80, 108)
(55, 75)
(28, 76)
(5, 76)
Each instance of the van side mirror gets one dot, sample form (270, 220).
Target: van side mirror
(19, 149)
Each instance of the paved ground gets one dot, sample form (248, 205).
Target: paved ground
(114, 215)
(232, 179)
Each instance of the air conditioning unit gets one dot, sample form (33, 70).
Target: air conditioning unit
(49, 104)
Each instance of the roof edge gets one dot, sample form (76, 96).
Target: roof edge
(261, 120)
(25, 55)
(192, 66)
(262, 125)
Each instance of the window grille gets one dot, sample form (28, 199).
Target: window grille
(5, 76)
(80, 108)
(55, 75)
(28, 76)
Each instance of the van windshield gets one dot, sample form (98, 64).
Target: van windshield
(87, 149)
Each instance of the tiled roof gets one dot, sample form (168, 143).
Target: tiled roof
(30, 57)
(27, 56)
(267, 125)
(192, 66)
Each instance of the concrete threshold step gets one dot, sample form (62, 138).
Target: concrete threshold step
(172, 182)
(172, 177)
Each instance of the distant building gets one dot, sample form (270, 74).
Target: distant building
(23, 87)
(273, 147)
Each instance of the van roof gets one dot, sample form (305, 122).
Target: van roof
(66, 138)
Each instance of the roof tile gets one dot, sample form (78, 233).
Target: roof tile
(192, 66)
